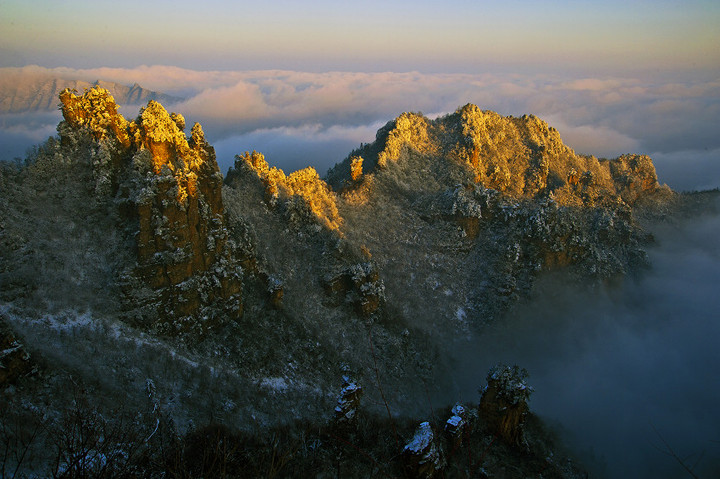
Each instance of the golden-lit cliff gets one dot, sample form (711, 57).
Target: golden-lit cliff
(174, 190)
(522, 157)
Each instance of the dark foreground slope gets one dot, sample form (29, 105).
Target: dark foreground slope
(174, 315)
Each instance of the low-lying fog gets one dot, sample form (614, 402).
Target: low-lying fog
(631, 375)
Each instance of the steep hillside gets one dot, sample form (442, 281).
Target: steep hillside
(461, 213)
(267, 306)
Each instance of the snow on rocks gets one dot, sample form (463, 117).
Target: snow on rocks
(422, 455)
(348, 401)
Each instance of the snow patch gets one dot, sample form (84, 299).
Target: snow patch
(421, 440)
(277, 384)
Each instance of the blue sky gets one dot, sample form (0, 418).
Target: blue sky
(457, 36)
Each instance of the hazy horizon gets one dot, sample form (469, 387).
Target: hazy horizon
(459, 36)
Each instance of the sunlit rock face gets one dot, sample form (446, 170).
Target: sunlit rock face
(301, 192)
(171, 185)
(634, 176)
(518, 156)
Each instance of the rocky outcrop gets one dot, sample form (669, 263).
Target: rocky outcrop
(171, 185)
(503, 404)
(302, 192)
(360, 285)
(422, 454)
(634, 176)
(408, 131)
(518, 156)
(96, 112)
(348, 402)
(465, 205)
(456, 425)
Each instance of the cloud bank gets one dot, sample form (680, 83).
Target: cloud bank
(675, 119)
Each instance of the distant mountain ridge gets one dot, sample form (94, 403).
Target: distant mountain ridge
(26, 92)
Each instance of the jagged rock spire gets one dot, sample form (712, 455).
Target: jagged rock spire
(183, 251)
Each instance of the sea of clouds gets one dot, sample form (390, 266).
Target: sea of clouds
(300, 119)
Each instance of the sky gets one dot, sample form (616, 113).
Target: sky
(429, 36)
(305, 82)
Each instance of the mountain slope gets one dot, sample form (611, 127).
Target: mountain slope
(521, 157)
(246, 300)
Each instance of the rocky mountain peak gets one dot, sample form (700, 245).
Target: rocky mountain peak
(409, 130)
(522, 157)
(175, 187)
(95, 110)
(315, 196)
(161, 133)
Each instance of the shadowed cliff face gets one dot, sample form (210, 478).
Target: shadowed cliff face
(172, 187)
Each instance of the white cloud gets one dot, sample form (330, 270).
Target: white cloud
(598, 140)
(599, 116)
